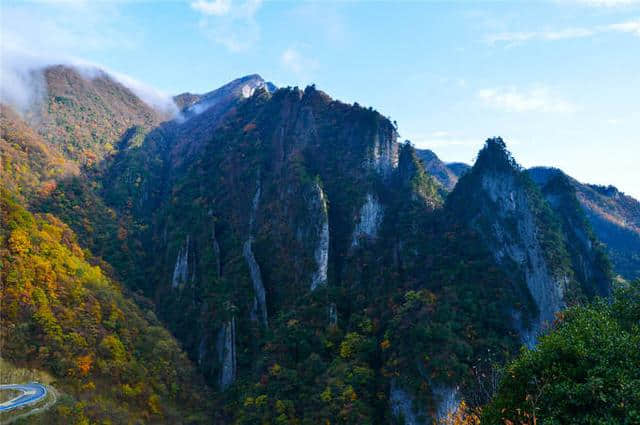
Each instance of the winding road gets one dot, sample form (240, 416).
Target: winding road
(31, 393)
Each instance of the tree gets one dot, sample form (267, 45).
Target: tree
(587, 371)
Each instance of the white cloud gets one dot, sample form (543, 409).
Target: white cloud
(631, 27)
(230, 23)
(35, 37)
(538, 99)
(153, 97)
(293, 60)
(214, 7)
(22, 82)
(521, 36)
(604, 3)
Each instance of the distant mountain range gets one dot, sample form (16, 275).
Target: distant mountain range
(614, 217)
(447, 174)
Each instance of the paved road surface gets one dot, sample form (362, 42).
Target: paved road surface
(31, 393)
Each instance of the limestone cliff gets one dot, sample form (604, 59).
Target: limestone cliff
(500, 202)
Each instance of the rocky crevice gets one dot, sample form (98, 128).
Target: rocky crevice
(181, 268)
(226, 347)
(216, 253)
(321, 253)
(404, 407)
(259, 308)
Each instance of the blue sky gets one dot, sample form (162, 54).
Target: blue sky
(559, 80)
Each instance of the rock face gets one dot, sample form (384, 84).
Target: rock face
(321, 253)
(369, 220)
(244, 87)
(385, 150)
(333, 314)
(226, 347)
(448, 401)
(259, 308)
(404, 409)
(497, 199)
(402, 406)
(181, 269)
(522, 247)
(216, 253)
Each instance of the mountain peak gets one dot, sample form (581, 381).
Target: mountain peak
(495, 156)
(243, 87)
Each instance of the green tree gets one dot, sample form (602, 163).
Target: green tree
(585, 372)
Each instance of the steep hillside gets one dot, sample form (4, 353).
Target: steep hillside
(588, 257)
(63, 315)
(29, 167)
(83, 114)
(498, 199)
(201, 114)
(614, 217)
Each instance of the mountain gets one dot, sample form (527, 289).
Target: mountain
(298, 213)
(458, 168)
(446, 174)
(194, 104)
(310, 266)
(614, 217)
(272, 222)
(551, 251)
(61, 313)
(84, 113)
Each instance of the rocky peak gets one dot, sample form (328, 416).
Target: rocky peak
(495, 157)
(499, 201)
(413, 177)
(240, 88)
(407, 167)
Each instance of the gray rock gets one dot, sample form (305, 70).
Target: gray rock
(321, 253)
(226, 347)
(370, 218)
(181, 269)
